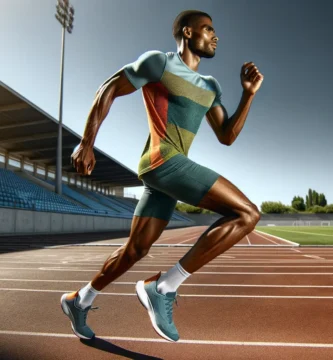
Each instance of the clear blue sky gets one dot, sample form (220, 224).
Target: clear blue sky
(285, 147)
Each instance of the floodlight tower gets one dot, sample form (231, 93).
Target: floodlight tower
(65, 15)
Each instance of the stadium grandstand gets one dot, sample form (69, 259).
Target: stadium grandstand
(28, 201)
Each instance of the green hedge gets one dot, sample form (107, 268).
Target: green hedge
(190, 209)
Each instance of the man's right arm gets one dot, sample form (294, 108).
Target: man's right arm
(117, 85)
(149, 67)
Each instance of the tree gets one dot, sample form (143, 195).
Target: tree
(315, 198)
(310, 198)
(329, 208)
(188, 208)
(298, 203)
(322, 200)
(271, 207)
(319, 209)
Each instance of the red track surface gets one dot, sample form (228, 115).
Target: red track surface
(252, 302)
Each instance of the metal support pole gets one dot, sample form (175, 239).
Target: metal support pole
(59, 145)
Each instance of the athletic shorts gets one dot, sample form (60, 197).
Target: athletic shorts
(179, 178)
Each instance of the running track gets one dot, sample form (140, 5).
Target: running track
(252, 302)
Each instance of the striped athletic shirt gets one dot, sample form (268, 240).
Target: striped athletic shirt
(176, 100)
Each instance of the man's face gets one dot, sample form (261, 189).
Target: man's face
(203, 40)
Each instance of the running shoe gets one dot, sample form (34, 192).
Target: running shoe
(159, 306)
(77, 315)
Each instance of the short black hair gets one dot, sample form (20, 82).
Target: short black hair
(184, 19)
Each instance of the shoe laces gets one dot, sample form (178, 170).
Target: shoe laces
(86, 313)
(169, 306)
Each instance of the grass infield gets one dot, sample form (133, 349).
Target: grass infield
(303, 235)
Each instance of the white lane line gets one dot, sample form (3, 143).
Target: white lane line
(184, 295)
(182, 341)
(192, 238)
(154, 271)
(277, 237)
(198, 272)
(248, 240)
(255, 266)
(151, 256)
(264, 237)
(296, 250)
(226, 263)
(190, 233)
(242, 265)
(314, 257)
(305, 232)
(185, 284)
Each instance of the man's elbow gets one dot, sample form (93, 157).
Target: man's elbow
(226, 140)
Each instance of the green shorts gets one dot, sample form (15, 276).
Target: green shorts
(179, 178)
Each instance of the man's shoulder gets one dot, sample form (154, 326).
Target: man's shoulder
(152, 54)
(214, 84)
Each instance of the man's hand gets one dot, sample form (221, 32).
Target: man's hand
(83, 159)
(251, 78)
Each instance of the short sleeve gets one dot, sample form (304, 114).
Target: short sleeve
(218, 97)
(149, 67)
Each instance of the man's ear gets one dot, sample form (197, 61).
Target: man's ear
(187, 32)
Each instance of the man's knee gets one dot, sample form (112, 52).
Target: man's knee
(250, 217)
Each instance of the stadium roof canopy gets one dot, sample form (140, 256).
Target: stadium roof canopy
(26, 130)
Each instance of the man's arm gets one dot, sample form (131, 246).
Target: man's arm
(117, 85)
(149, 67)
(227, 129)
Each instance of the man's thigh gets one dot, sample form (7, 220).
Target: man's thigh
(155, 204)
(182, 179)
(226, 199)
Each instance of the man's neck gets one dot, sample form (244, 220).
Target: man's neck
(190, 59)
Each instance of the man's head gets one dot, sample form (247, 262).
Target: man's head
(195, 29)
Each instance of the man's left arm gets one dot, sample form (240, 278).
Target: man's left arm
(227, 129)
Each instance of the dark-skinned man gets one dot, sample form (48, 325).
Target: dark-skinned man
(176, 98)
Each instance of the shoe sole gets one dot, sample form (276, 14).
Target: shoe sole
(145, 302)
(67, 311)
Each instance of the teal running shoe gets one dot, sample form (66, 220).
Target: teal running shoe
(77, 315)
(159, 307)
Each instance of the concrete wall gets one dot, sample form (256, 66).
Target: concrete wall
(18, 221)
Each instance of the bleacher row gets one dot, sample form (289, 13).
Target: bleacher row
(17, 192)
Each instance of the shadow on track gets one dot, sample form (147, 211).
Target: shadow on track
(104, 345)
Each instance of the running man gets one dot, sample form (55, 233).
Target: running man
(176, 98)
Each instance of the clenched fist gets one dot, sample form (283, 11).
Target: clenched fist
(251, 78)
(83, 159)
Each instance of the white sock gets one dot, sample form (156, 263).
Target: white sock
(87, 296)
(172, 279)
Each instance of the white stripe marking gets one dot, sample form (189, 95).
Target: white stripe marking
(304, 232)
(242, 265)
(184, 284)
(248, 240)
(183, 295)
(154, 272)
(314, 257)
(192, 238)
(182, 341)
(279, 238)
(265, 237)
